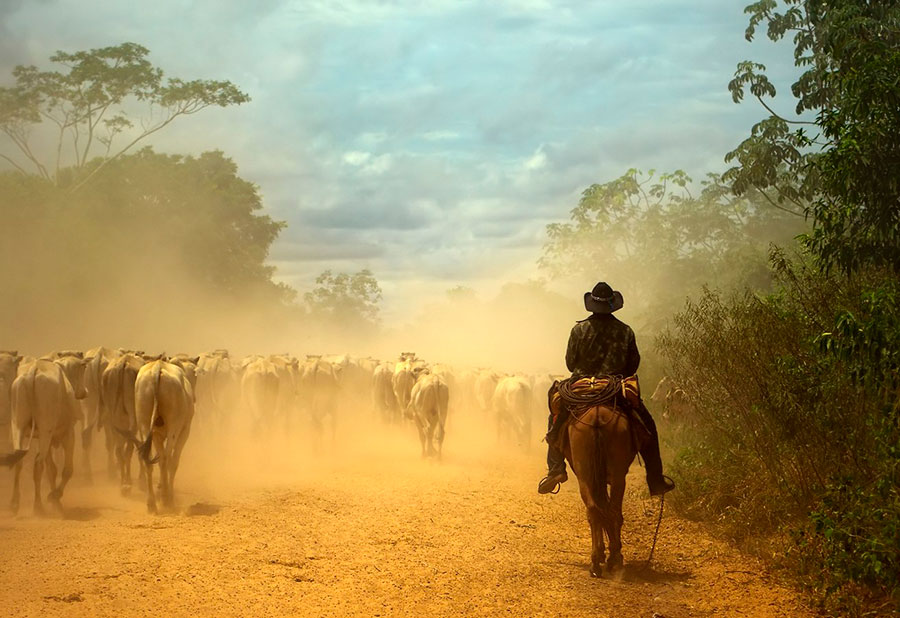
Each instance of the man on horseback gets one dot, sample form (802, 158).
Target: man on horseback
(601, 345)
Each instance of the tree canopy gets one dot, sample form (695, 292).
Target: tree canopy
(345, 298)
(152, 234)
(840, 167)
(103, 103)
(651, 230)
(813, 417)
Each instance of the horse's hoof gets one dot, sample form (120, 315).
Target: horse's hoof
(615, 564)
(55, 496)
(39, 510)
(151, 508)
(125, 490)
(597, 571)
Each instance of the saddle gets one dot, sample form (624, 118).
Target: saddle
(569, 399)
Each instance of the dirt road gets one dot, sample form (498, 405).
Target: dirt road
(375, 531)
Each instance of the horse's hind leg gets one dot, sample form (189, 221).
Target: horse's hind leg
(595, 519)
(617, 493)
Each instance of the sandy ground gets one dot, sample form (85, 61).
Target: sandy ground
(266, 530)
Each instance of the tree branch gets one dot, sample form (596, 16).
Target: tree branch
(14, 164)
(780, 117)
(777, 205)
(146, 133)
(22, 144)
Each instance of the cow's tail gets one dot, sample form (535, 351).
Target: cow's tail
(144, 448)
(102, 408)
(443, 404)
(24, 397)
(118, 403)
(119, 378)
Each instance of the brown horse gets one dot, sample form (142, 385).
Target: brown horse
(600, 448)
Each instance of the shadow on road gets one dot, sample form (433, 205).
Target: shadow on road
(202, 508)
(641, 572)
(79, 513)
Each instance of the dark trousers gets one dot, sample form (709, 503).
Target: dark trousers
(556, 462)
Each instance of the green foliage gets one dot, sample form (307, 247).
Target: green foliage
(151, 234)
(844, 175)
(858, 216)
(346, 299)
(795, 396)
(88, 106)
(650, 235)
(461, 294)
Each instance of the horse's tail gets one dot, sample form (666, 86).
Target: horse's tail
(599, 467)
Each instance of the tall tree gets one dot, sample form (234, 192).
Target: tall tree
(92, 108)
(346, 298)
(838, 161)
(653, 232)
(153, 239)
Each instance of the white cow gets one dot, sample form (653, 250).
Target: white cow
(45, 408)
(428, 405)
(403, 380)
(320, 384)
(164, 407)
(117, 416)
(383, 398)
(512, 405)
(218, 389)
(485, 385)
(259, 393)
(91, 406)
(9, 365)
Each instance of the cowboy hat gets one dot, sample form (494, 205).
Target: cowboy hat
(602, 299)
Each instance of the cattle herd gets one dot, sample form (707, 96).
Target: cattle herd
(145, 406)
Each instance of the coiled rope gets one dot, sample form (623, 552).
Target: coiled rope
(596, 392)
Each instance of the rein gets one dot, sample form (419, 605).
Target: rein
(662, 502)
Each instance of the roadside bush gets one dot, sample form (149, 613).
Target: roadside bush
(795, 401)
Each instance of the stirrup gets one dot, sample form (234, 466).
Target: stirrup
(665, 486)
(556, 487)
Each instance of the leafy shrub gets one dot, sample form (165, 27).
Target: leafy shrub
(795, 401)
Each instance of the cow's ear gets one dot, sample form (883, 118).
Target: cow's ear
(195, 359)
(19, 359)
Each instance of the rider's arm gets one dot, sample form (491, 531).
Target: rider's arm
(571, 351)
(634, 357)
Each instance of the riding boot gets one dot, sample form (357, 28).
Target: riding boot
(556, 461)
(656, 480)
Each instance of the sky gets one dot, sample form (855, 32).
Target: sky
(430, 142)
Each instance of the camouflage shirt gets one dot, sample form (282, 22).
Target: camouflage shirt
(602, 345)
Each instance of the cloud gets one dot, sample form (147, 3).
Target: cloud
(536, 161)
(431, 141)
(357, 158)
(440, 136)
